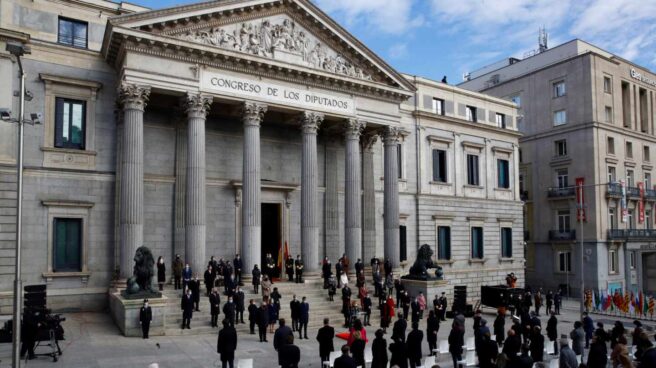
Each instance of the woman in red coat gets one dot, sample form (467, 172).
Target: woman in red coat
(357, 328)
(387, 313)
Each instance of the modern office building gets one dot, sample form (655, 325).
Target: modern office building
(231, 127)
(587, 117)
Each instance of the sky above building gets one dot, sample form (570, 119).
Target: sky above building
(434, 38)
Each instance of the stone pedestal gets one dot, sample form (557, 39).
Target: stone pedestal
(125, 314)
(430, 288)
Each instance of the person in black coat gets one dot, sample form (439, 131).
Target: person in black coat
(238, 298)
(161, 273)
(512, 345)
(357, 349)
(416, 311)
(489, 352)
(415, 339)
(194, 286)
(281, 334)
(215, 307)
(325, 338)
(256, 273)
(299, 266)
(345, 360)
(227, 344)
(187, 306)
(208, 278)
(326, 272)
(552, 331)
(304, 318)
(456, 341)
(262, 321)
(289, 355)
(442, 305)
(145, 316)
(366, 308)
(289, 268)
(500, 327)
(338, 272)
(398, 331)
(229, 310)
(252, 316)
(295, 309)
(387, 266)
(379, 350)
(237, 264)
(537, 344)
(598, 354)
(432, 329)
(398, 352)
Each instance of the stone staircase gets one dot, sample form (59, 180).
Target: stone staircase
(312, 289)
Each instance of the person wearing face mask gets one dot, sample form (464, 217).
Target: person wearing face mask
(239, 305)
(161, 273)
(186, 276)
(145, 316)
(194, 286)
(237, 265)
(178, 266)
(215, 303)
(187, 306)
(229, 311)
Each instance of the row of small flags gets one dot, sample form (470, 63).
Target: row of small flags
(628, 303)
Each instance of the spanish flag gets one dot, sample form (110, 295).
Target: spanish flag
(283, 254)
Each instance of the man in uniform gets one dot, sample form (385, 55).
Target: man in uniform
(145, 316)
(270, 267)
(238, 265)
(298, 264)
(325, 272)
(215, 307)
(442, 303)
(289, 268)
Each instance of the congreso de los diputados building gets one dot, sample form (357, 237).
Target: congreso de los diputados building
(238, 126)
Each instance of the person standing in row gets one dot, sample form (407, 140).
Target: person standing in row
(398, 350)
(366, 308)
(432, 329)
(537, 344)
(414, 306)
(456, 342)
(289, 355)
(161, 273)
(215, 307)
(178, 266)
(442, 305)
(237, 264)
(578, 338)
(266, 287)
(194, 285)
(345, 263)
(326, 272)
(537, 299)
(304, 318)
(145, 317)
(208, 278)
(270, 267)
(238, 298)
(357, 349)
(379, 350)
(227, 344)
(298, 264)
(345, 360)
(289, 268)
(187, 306)
(500, 326)
(295, 309)
(325, 338)
(398, 331)
(186, 276)
(252, 316)
(338, 273)
(588, 328)
(415, 339)
(557, 302)
(256, 273)
(229, 310)
(281, 335)
(552, 331)
(549, 299)
(262, 321)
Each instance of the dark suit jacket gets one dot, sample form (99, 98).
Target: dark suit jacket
(325, 337)
(399, 329)
(295, 307)
(305, 312)
(415, 338)
(145, 315)
(227, 343)
(280, 336)
(215, 302)
(399, 357)
(379, 352)
(262, 317)
(229, 310)
(344, 361)
(187, 306)
(289, 355)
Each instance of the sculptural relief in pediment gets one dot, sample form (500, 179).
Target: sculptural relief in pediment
(278, 38)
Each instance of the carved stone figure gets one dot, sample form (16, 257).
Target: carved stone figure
(139, 285)
(424, 262)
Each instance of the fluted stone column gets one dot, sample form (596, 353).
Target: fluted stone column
(310, 122)
(352, 202)
(133, 99)
(251, 216)
(368, 197)
(391, 136)
(196, 106)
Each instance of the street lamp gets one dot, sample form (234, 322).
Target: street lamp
(18, 50)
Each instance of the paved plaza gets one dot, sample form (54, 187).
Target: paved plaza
(92, 340)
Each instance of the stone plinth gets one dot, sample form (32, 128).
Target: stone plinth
(430, 288)
(125, 314)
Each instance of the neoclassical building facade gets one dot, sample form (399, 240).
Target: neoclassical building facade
(232, 127)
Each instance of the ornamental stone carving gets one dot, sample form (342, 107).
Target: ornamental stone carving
(196, 104)
(392, 134)
(133, 96)
(310, 121)
(253, 113)
(368, 140)
(277, 38)
(353, 128)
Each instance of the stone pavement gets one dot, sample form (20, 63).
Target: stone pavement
(94, 341)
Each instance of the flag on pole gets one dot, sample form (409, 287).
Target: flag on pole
(651, 307)
(283, 254)
(626, 302)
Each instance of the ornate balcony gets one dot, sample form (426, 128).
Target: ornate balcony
(632, 234)
(557, 235)
(555, 193)
(614, 190)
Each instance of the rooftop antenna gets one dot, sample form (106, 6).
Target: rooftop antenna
(543, 38)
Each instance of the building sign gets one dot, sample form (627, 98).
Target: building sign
(641, 203)
(643, 78)
(580, 200)
(625, 210)
(275, 93)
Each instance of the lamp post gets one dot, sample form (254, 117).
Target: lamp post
(18, 50)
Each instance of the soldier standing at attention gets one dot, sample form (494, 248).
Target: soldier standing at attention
(289, 267)
(299, 269)
(145, 316)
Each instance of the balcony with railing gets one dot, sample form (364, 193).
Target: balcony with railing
(650, 194)
(557, 193)
(614, 190)
(561, 235)
(632, 234)
(633, 192)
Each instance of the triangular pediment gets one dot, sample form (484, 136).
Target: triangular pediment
(293, 32)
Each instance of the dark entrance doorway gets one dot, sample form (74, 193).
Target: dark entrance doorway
(270, 231)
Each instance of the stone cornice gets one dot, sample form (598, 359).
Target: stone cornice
(49, 78)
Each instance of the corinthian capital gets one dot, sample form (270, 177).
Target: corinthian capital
(392, 134)
(133, 96)
(353, 128)
(196, 104)
(368, 140)
(253, 112)
(310, 121)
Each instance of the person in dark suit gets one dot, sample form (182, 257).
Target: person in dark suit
(178, 266)
(295, 308)
(262, 321)
(145, 316)
(442, 305)
(208, 278)
(281, 334)
(227, 344)
(270, 267)
(238, 298)
(537, 344)
(252, 316)
(229, 309)
(298, 265)
(379, 350)
(415, 339)
(359, 266)
(187, 306)
(326, 272)
(237, 264)
(161, 273)
(215, 307)
(325, 338)
(398, 331)
(387, 267)
(289, 268)
(304, 318)
(289, 355)
(256, 273)
(338, 272)
(500, 327)
(366, 308)
(194, 286)
(186, 276)
(416, 311)
(456, 341)
(432, 329)
(399, 357)
(345, 360)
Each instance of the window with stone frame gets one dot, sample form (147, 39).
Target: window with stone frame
(67, 245)
(444, 243)
(70, 123)
(72, 32)
(506, 242)
(564, 259)
(477, 245)
(613, 261)
(503, 174)
(440, 166)
(472, 170)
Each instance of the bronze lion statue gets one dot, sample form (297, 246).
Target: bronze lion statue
(423, 263)
(143, 272)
